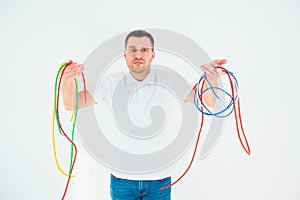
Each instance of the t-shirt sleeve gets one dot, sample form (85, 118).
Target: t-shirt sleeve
(103, 88)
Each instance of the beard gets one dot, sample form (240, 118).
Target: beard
(139, 68)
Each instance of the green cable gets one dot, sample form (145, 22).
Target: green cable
(55, 95)
(76, 109)
(74, 121)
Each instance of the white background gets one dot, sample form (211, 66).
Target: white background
(259, 38)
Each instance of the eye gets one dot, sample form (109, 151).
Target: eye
(144, 49)
(132, 49)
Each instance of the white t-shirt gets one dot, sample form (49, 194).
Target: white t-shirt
(144, 95)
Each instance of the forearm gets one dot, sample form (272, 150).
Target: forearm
(68, 95)
(84, 101)
(208, 97)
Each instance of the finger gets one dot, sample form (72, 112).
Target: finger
(81, 66)
(210, 71)
(71, 76)
(218, 62)
(69, 62)
(72, 72)
(221, 62)
(74, 67)
(78, 66)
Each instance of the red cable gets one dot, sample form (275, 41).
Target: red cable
(239, 116)
(201, 125)
(59, 124)
(57, 103)
(75, 147)
(84, 85)
(195, 149)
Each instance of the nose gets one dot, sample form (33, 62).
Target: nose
(138, 54)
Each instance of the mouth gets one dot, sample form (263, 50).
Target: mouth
(138, 62)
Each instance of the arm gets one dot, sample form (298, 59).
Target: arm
(212, 74)
(68, 92)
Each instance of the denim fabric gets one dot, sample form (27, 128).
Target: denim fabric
(123, 189)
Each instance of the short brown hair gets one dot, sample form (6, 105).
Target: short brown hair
(139, 34)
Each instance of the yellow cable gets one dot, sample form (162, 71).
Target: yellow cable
(54, 146)
(72, 115)
(74, 110)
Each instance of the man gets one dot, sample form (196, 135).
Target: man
(139, 54)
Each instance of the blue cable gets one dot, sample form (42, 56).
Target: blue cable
(198, 97)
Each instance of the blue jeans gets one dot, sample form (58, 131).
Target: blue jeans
(123, 189)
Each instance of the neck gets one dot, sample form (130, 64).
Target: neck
(140, 76)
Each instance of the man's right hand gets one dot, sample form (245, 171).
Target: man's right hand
(73, 71)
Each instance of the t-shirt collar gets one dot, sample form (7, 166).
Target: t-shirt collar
(131, 80)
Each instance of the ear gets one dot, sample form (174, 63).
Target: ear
(153, 54)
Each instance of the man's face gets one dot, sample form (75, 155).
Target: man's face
(139, 54)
